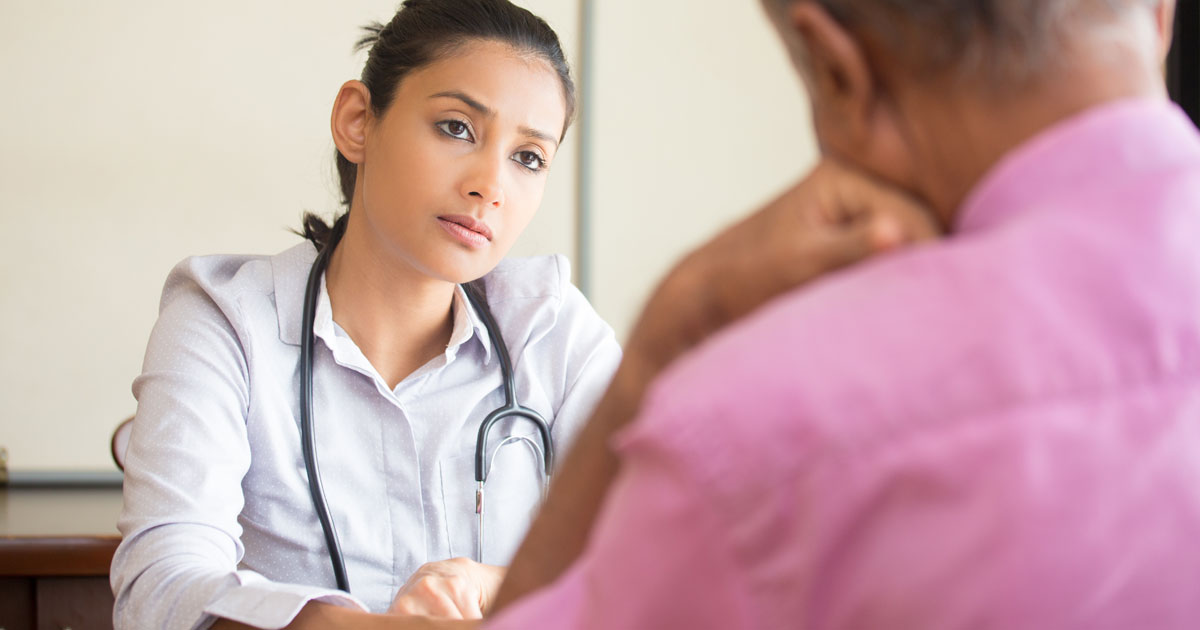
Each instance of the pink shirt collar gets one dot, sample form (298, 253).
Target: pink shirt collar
(1099, 144)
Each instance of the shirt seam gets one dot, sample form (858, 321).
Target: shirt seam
(387, 493)
(553, 291)
(579, 377)
(243, 335)
(555, 306)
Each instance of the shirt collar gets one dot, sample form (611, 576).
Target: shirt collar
(467, 323)
(291, 268)
(1100, 144)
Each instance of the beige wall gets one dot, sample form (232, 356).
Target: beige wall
(136, 133)
(696, 120)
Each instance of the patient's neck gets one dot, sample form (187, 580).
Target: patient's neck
(959, 134)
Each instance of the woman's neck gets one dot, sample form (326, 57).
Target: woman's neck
(399, 317)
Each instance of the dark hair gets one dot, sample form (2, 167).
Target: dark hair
(1001, 41)
(422, 32)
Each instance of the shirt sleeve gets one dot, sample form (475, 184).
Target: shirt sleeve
(176, 566)
(657, 558)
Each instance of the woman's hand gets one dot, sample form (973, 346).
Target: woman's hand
(457, 588)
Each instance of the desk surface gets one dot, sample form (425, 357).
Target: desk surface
(58, 531)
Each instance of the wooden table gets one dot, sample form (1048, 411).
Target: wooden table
(56, 544)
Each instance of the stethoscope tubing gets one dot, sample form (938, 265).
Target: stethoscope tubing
(510, 408)
(307, 437)
(307, 432)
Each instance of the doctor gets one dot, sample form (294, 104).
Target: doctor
(444, 147)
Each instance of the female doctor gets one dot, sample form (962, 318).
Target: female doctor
(443, 152)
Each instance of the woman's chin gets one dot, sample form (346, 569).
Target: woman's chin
(463, 269)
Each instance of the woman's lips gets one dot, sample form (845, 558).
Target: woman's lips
(466, 229)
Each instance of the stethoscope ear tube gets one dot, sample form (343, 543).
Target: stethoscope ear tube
(306, 415)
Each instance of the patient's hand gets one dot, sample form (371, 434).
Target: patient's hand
(458, 588)
(833, 218)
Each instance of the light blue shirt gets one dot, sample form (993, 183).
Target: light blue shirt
(218, 519)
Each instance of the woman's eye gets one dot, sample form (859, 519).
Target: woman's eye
(530, 160)
(455, 129)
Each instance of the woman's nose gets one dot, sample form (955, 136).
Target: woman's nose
(482, 184)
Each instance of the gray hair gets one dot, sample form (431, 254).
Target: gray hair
(1002, 40)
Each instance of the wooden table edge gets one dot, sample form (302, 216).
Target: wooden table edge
(56, 556)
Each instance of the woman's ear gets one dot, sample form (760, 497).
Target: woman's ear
(841, 83)
(349, 120)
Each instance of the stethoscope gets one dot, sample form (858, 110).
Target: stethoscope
(510, 409)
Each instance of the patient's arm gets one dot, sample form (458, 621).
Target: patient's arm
(833, 218)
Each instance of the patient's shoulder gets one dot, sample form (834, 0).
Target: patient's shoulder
(882, 344)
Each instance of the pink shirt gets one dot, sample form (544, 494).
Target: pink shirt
(1000, 430)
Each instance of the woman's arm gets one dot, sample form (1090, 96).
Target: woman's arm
(319, 616)
(445, 594)
(183, 468)
(187, 457)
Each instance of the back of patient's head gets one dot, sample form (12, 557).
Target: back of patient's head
(995, 41)
(929, 94)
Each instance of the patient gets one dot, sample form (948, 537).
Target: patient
(997, 429)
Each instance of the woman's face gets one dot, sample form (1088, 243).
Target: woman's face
(455, 168)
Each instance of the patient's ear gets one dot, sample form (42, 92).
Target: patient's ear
(841, 83)
(349, 120)
(858, 116)
(1164, 15)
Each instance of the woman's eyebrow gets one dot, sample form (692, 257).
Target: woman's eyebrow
(470, 102)
(488, 112)
(540, 135)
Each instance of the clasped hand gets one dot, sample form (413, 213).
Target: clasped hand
(457, 588)
(834, 217)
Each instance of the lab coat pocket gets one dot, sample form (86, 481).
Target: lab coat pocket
(511, 497)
